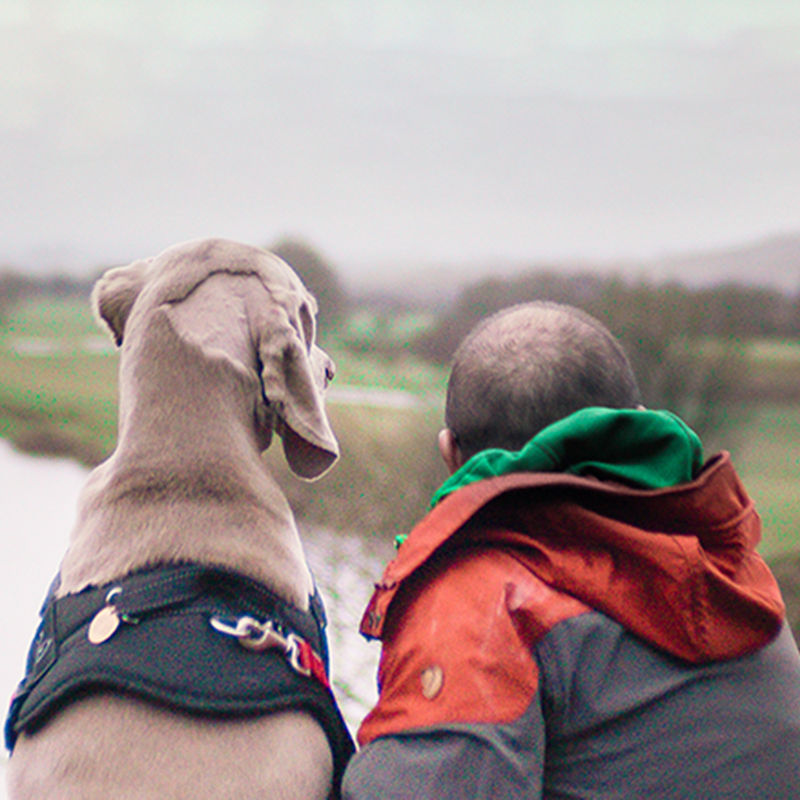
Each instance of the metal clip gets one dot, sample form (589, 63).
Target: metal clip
(293, 653)
(254, 635)
(259, 636)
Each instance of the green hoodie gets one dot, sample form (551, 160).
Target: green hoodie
(646, 449)
(642, 448)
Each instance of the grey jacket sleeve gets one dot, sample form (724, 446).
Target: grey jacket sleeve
(471, 761)
(623, 720)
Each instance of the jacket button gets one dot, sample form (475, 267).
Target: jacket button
(432, 679)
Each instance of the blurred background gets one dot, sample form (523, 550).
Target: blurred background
(421, 164)
(398, 134)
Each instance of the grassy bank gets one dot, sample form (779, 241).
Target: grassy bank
(768, 459)
(385, 478)
(58, 397)
(58, 387)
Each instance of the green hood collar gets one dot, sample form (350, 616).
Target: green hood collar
(646, 449)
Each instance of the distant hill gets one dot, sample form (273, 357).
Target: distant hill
(771, 263)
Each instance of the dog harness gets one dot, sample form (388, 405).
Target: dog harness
(199, 639)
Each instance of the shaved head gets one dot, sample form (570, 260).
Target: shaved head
(529, 366)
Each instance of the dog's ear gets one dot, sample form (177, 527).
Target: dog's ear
(114, 294)
(293, 376)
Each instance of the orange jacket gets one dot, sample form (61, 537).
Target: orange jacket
(496, 565)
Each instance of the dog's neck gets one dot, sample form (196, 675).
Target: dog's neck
(187, 481)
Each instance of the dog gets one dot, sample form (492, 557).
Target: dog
(217, 354)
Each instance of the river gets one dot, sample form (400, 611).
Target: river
(37, 506)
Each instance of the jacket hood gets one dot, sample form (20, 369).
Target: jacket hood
(639, 447)
(676, 566)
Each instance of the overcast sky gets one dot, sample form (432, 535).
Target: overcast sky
(397, 131)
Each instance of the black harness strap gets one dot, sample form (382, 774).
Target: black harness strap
(164, 649)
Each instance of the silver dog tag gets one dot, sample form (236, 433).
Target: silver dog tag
(104, 624)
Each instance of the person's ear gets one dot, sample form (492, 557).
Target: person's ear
(451, 453)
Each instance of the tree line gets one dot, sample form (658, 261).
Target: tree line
(727, 310)
(686, 344)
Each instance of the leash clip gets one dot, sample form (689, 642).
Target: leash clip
(252, 634)
(260, 636)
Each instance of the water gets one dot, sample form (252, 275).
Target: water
(346, 570)
(38, 499)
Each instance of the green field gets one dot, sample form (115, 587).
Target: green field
(769, 463)
(58, 384)
(58, 397)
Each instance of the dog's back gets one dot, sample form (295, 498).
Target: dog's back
(111, 746)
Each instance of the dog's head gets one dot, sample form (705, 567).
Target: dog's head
(293, 370)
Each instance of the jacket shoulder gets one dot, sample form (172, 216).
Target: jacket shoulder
(457, 644)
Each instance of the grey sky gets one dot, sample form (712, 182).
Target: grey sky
(397, 131)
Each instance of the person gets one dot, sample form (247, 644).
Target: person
(583, 613)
